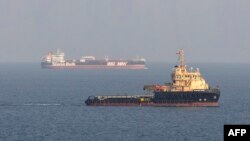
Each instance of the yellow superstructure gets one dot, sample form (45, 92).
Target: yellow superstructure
(184, 79)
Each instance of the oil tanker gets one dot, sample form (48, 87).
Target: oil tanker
(188, 88)
(57, 61)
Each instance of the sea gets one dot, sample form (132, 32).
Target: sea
(48, 105)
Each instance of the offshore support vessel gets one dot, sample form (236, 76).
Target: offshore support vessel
(188, 88)
(57, 61)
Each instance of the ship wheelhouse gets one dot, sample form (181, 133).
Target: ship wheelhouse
(187, 79)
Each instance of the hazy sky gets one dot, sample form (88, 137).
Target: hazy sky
(208, 30)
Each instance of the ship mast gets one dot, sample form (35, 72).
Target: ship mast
(181, 58)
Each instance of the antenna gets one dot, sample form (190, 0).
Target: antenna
(106, 58)
(181, 58)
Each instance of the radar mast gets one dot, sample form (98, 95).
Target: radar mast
(181, 58)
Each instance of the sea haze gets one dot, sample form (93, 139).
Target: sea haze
(40, 104)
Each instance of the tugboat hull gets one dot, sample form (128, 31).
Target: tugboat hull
(208, 98)
(193, 104)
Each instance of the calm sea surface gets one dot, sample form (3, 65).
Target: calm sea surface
(47, 105)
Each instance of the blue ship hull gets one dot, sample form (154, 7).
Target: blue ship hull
(194, 98)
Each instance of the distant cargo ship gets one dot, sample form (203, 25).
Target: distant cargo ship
(188, 88)
(57, 61)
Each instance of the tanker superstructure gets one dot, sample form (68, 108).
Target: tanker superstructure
(57, 61)
(188, 88)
